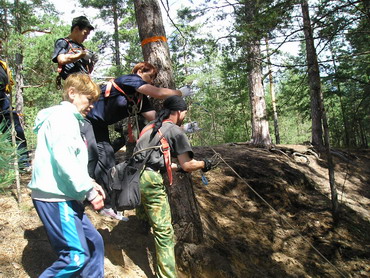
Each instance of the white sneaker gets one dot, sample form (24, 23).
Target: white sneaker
(123, 218)
(110, 213)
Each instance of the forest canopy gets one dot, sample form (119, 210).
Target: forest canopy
(211, 49)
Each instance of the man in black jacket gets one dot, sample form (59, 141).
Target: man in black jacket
(69, 52)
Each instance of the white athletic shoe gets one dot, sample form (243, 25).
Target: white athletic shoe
(110, 213)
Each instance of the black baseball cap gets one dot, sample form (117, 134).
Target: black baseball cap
(82, 22)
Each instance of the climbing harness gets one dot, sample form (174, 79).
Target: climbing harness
(134, 107)
(165, 149)
(74, 51)
(85, 68)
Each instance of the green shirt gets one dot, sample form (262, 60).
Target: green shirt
(60, 164)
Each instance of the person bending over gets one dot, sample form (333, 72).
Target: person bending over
(60, 183)
(154, 197)
(124, 96)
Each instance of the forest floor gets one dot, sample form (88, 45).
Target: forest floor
(274, 222)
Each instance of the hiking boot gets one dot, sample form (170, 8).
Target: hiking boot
(110, 213)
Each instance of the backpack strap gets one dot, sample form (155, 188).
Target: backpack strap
(68, 40)
(167, 156)
(135, 105)
(165, 148)
(119, 89)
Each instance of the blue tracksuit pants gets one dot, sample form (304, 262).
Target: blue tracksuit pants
(76, 241)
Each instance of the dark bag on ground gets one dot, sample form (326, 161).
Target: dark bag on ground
(123, 180)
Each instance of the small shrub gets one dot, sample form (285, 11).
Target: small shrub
(7, 155)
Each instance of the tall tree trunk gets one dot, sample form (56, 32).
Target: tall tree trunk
(366, 4)
(150, 24)
(273, 97)
(342, 108)
(19, 79)
(185, 215)
(14, 143)
(260, 127)
(19, 66)
(363, 139)
(333, 186)
(115, 36)
(313, 77)
(317, 106)
(19, 90)
(4, 21)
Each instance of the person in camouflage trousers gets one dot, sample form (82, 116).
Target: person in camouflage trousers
(153, 191)
(157, 209)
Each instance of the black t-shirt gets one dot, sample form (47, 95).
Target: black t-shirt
(65, 46)
(111, 109)
(177, 139)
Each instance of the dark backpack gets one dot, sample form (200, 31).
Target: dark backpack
(124, 179)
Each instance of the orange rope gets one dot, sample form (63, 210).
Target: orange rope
(153, 39)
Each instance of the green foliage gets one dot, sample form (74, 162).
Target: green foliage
(344, 28)
(214, 63)
(39, 71)
(219, 106)
(128, 37)
(216, 107)
(7, 156)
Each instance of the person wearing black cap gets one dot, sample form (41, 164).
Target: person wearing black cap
(69, 52)
(154, 198)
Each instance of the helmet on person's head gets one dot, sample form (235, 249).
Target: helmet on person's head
(82, 22)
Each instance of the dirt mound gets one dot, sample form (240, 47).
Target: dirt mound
(274, 221)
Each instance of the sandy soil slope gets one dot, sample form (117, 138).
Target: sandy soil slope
(274, 221)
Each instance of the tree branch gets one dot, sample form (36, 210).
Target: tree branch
(35, 30)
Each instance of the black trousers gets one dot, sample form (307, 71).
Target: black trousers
(21, 138)
(101, 155)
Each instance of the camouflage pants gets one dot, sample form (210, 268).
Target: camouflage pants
(154, 200)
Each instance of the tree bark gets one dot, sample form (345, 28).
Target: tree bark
(342, 108)
(19, 80)
(313, 77)
(273, 96)
(150, 24)
(19, 67)
(115, 35)
(260, 127)
(318, 114)
(14, 144)
(185, 214)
